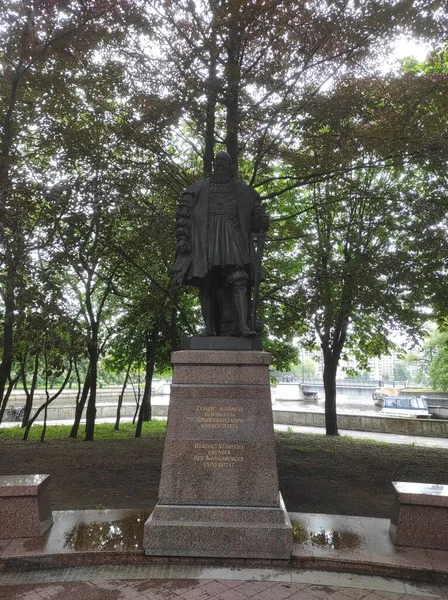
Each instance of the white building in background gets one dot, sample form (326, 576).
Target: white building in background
(382, 367)
(414, 369)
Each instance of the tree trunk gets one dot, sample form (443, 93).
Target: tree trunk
(80, 406)
(145, 406)
(47, 400)
(137, 409)
(91, 405)
(120, 397)
(151, 348)
(11, 383)
(29, 392)
(8, 339)
(233, 77)
(137, 395)
(7, 135)
(175, 342)
(45, 407)
(330, 368)
(211, 102)
(44, 428)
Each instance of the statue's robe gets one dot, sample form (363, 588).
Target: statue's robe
(194, 265)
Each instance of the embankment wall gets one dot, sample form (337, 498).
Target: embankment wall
(400, 426)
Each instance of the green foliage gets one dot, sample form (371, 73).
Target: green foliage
(306, 368)
(438, 372)
(273, 379)
(401, 373)
(106, 119)
(165, 374)
(299, 532)
(363, 441)
(283, 353)
(436, 62)
(436, 355)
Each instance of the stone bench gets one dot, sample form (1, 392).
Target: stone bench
(420, 515)
(25, 509)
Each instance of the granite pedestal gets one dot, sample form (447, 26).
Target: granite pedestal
(420, 515)
(219, 494)
(25, 509)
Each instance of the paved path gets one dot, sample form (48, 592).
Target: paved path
(195, 583)
(390, 438)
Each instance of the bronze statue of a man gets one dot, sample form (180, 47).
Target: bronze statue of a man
(215, 251)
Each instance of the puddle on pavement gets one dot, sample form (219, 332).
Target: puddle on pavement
(122, 534)
(299, 531)
(336, 540)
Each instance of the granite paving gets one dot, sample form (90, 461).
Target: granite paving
(98, 588)
(327, 542)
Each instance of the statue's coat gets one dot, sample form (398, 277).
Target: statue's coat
(193, 265)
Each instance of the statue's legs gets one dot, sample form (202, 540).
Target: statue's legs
(237, 279)
(210, 305)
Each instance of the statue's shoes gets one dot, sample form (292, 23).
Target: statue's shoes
(246, 332)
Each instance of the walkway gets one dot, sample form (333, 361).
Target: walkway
(98, 554)
(389, 438)
(191, 583)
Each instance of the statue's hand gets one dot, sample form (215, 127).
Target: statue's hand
(183, 245)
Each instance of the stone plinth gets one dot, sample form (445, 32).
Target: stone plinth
(420, 515)
(222, 343)
(219, 493)
(25, 509)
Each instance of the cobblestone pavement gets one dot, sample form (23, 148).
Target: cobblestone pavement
(106, 583)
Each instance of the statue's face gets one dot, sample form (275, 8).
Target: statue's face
(222, 163)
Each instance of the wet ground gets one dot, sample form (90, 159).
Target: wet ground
(79, 539)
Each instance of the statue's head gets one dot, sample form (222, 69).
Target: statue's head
(223, 163)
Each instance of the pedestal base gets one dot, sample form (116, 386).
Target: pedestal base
(420, 515)
(218, 532)
(218, 494)
(25, 508)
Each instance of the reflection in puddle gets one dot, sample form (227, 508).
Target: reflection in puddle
(336, 540)
(299, 531)
(123, 534)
